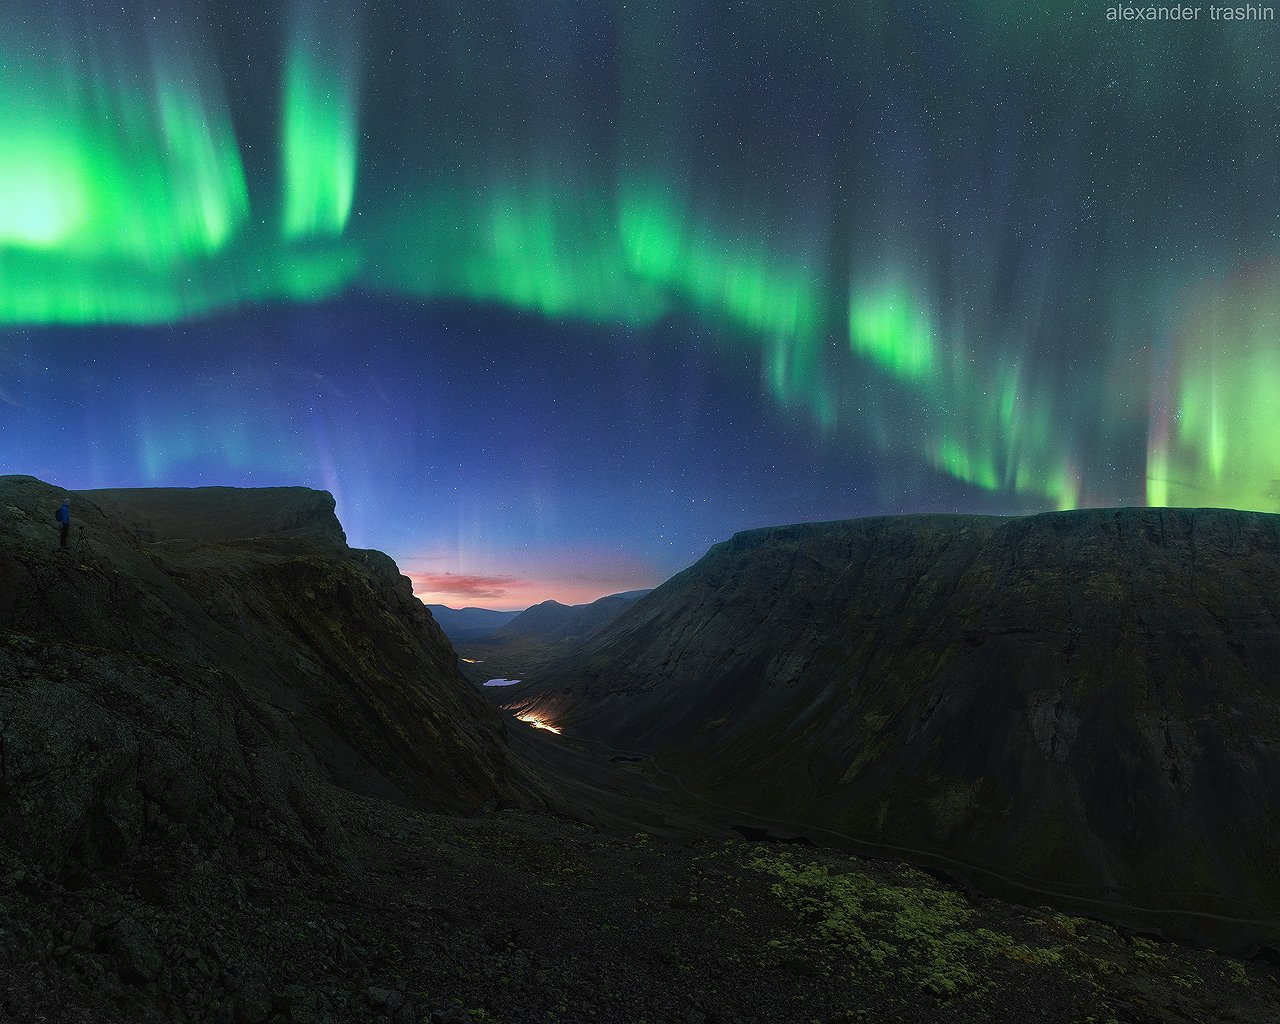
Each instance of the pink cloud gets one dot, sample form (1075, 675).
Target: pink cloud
(514, 583)
(448, 587)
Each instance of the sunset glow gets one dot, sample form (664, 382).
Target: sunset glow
(513, 582)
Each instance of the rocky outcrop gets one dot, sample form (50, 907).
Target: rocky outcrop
(1082, 703)
(208, 662)
(220, 514)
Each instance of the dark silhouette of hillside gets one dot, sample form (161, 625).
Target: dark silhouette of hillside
(556, 622)
(461, 624)
(253, 597)
(242, 782)
(1085, 701)
(539, 635)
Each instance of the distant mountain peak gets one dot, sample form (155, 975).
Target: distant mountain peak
(554, 621)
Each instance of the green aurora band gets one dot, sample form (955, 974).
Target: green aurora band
(97, 167)
(912, 289)
(1215, 427)
(319, 133)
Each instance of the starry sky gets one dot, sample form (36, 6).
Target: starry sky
(554, 294)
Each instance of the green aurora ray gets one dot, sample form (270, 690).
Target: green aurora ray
(985, 289)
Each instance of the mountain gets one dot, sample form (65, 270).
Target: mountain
(228, 621)
(553, 621)
(468, 623)
(539, 635)
(1084, 703)
(242, 783)
(549, 621)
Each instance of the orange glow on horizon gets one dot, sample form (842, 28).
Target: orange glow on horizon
(518, 597)
(505, 583)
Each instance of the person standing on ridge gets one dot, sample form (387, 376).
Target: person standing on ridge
(63, 516)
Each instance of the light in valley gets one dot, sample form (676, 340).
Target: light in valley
(539, 723)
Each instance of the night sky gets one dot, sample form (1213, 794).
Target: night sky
(553, 294)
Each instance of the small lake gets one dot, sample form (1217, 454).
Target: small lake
(502, 682)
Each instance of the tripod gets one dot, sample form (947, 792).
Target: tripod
(83, 547)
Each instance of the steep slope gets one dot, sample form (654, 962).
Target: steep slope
(468, 623)
(1084, 703)
(187, 661)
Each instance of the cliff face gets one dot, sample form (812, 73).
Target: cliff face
(220, 514)
(211, 659)
(1084, 702)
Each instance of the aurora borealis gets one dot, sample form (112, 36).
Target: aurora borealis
(539, 286)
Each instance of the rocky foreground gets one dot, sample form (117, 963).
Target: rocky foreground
(241, 781)
(514, 917)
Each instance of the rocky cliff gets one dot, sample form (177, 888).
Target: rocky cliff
(202, 659)
(1083, 703)
(223, 743)
(219, 514)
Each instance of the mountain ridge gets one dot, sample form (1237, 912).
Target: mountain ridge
(468, 623)
(1046, 693)
(240, 783)
(257, 590)
(552, 620)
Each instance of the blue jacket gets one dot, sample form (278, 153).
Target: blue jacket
(63, 514)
